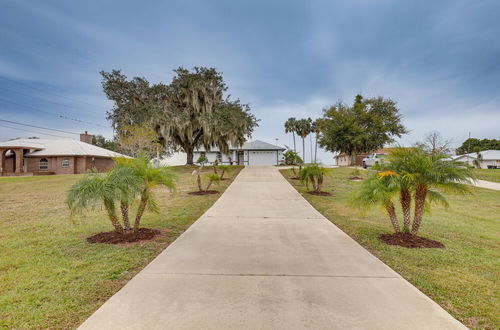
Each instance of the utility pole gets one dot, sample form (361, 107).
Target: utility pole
(468, 148)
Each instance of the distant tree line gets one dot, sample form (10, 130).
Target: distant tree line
(477, 145)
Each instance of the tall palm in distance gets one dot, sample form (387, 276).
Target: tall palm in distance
(291, 127)
(303, 129)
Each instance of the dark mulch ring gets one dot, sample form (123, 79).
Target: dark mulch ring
(128, 236)
(204, 192)
(320, 193)
(408, 240)
(356, 178)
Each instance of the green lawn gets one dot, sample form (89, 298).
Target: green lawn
(50, 277)
(488, 175)
(463, 278)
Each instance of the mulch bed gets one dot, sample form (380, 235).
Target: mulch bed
(319, 193)
(356, 178)
(408, 240)
(128, 236)
(294, 178)
(204, 192)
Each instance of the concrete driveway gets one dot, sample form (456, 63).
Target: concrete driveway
(263, 258)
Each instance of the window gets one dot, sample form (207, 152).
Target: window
(65, 162)
(44, 164)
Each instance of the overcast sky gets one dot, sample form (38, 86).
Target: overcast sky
(440, 60)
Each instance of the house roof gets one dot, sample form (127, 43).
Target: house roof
(259, 145)
(253, 145)
(60, 147)
(486, 154)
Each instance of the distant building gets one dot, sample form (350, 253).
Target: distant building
(488, 159)
(250, 153)
(53, 156)
(345, 159)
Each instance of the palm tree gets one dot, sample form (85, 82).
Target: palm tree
(413, 173)
(142, 169)
(224, 169)
(427, 176)
(313, 174)
(379, 189)
(315, 127)
(290, 127)
(96, 189)
(303, 129)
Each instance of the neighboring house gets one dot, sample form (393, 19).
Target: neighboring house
(251, 153)
(47, 156)
(345, 159)
(489, 158)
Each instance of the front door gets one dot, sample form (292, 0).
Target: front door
(241, 157)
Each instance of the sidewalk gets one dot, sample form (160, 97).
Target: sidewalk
(263, 258)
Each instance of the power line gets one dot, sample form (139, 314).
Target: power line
(43, 99)
(49, 129)
(49, 92)
(51, 113)
(36, 132)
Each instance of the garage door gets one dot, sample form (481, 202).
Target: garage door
(262, 157)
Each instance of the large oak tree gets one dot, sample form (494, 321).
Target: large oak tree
(192, 111)
(365, 126)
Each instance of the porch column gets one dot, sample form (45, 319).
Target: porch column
(2, 161)
(19, 160)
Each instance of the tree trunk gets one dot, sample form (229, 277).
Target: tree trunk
(114, 219)
(209, 185)
(189, 155)
(319, 183)
(391, 210)
(198, 181)
(294, 148)
(353, 158)
(420, 196)
(304, 150)
(222, 174)
(140, 212)
(311, 147)
(124, 209)
(405, 199)
(316, 148)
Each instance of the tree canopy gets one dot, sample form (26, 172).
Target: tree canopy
(365, 126)
(190, 112)
(477, 145)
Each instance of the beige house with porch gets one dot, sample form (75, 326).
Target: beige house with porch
(53, 156)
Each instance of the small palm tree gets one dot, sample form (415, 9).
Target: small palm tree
(96, 189)
(313, 174)
(379, 189)
(212, 178)
(149, 176)
(414, 174)
(224, 169)
(427, 176)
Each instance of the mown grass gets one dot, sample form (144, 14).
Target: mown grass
(50, 277)
(487, 174)
(463, 278)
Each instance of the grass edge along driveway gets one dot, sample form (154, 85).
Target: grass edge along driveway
(50, 277)
(463, 278)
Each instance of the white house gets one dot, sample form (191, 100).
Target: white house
(251, 153)
(489, 158)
